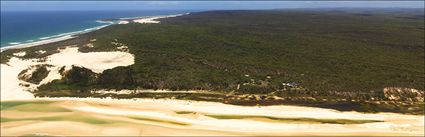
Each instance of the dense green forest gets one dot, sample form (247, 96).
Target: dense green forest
(333, 53)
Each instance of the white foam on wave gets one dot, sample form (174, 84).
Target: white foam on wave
(14, 43)
(105, 22)
(43, 38)
(36, 43)
(80, 31)
(69, 35)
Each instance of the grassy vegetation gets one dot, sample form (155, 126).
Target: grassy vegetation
(32, 106)
(286, 120)
(158, 120)
(39, 108)
(36, 76)
(74, 117)
(185, 112)
(12, 104)
(296, 120)
(47, 106)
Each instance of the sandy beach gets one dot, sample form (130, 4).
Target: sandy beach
(179, 117)
(37, 43)
(47, 40)
(154, 18)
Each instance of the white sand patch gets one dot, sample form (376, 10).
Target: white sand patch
(40, 52)
(89, 45)
(122, 47)
(96, 61)
(53, 74)
(147, 20)
(123, 22)
(28, 73)
(10, 88)
(20, 54)
(154, 19)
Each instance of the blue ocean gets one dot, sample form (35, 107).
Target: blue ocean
(19, 27)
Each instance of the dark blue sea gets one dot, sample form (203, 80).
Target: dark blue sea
(19, 27)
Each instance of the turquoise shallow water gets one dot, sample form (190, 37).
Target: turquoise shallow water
(18, 27)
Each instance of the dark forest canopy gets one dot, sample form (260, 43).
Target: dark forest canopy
(319, 51)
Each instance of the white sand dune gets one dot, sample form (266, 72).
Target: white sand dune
(10, 88)
(96, 61)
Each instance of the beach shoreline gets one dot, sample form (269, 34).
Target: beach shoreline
(37, 43)
(13, 88)
(56, 38)
(75, 34)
